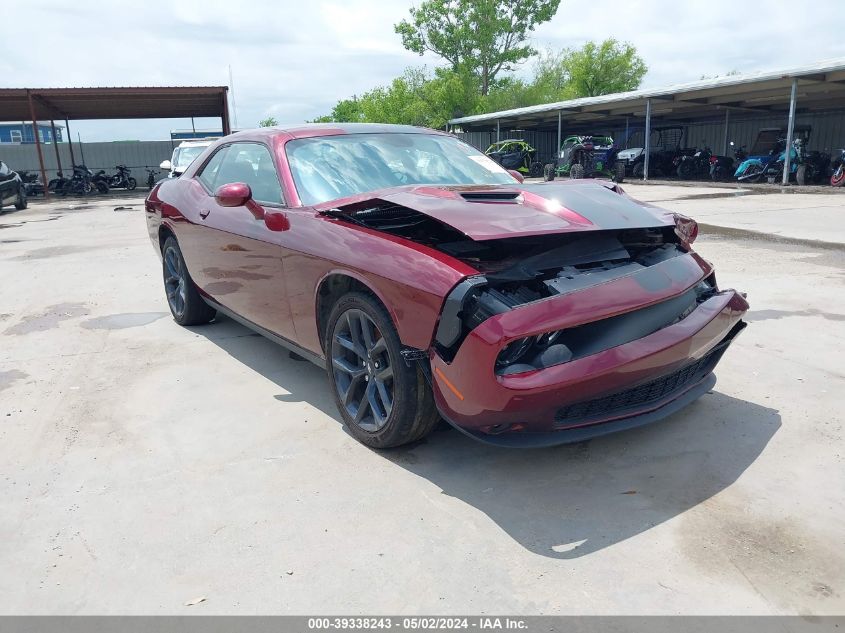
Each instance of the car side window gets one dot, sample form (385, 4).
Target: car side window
(208, 174)
(252, 164)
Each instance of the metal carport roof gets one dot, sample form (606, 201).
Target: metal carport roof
(49, 104)
(819, 85)
(113, 103)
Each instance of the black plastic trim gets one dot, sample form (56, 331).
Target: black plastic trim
(281, 340)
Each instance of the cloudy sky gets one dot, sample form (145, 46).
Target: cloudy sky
(293, 60)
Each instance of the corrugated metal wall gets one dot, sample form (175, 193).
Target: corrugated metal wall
(136, 155)
(827, 132)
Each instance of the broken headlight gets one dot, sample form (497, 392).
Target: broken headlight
(533, 352)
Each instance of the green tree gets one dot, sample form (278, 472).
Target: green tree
(481, 37)
(599, 69)
(414, 98)
(268, 122)
(552, 79)
(344, 111)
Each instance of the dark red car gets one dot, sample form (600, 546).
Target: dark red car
(431, 282)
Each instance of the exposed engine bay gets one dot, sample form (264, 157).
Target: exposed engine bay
(520, 270)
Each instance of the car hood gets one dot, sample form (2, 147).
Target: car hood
(496, 212)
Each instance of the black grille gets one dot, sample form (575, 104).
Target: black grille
(647, 393)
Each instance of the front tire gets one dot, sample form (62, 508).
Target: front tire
(838, 177)
(549, 172)
(21, 203)
(183, 298)
(576, 172)
(131, 183)
(383, 401)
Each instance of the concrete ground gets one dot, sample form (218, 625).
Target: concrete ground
(144, 466)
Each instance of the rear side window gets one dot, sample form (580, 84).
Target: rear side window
(208, 175)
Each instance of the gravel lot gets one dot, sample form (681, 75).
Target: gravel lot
(144, 466)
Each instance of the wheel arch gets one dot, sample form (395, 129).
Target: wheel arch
(165, 231)
(335, 284)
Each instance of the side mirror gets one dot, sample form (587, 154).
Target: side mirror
(234, 194)
(519, 177)
(238, 194)
(166, 165)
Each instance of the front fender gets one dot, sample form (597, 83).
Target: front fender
(744, 165)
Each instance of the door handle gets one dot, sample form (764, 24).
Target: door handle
(204, 213)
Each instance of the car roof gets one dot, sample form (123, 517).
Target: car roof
(306, 130)
(197, 142)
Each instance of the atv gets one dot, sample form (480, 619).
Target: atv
(518, 155)
(586, 157)
(665, 148)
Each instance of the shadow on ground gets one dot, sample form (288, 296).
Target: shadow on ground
(566, 501)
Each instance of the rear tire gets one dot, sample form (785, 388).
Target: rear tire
(102, 187)
(183, 298)
(131, 183)
(549, 172)
(576, 172)
(685, 170)
(638, 170)
(619, 172)
(383, 402)
(801, 175)
(752, 174)
(535, 170)
(21, 203)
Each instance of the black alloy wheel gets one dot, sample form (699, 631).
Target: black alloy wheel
(363, 371)
(175, 281)
(183, 298)
(384, 400)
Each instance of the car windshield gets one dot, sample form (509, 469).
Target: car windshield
(185, 156)
(330, 167)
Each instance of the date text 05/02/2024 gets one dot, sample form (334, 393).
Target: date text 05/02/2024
(417, 623)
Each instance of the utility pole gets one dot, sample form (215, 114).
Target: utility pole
(234, 103)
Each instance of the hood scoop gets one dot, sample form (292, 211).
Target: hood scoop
(492, 196)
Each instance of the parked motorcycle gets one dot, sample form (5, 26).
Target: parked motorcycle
(55, 185)
(837, 179)
(817, 167)
(695, 166)
(754, 168)
(32, 185)
(151, 178)
(721, 167)
(81, 183)
(101, 181)
(122, 179)
(804, 167)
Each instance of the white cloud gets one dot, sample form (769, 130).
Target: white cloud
(296, 59)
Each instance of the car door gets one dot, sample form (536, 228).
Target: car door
(238, 261)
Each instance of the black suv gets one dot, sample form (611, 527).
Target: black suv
(12, 190)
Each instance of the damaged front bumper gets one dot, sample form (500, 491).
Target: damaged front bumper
(622, 386)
